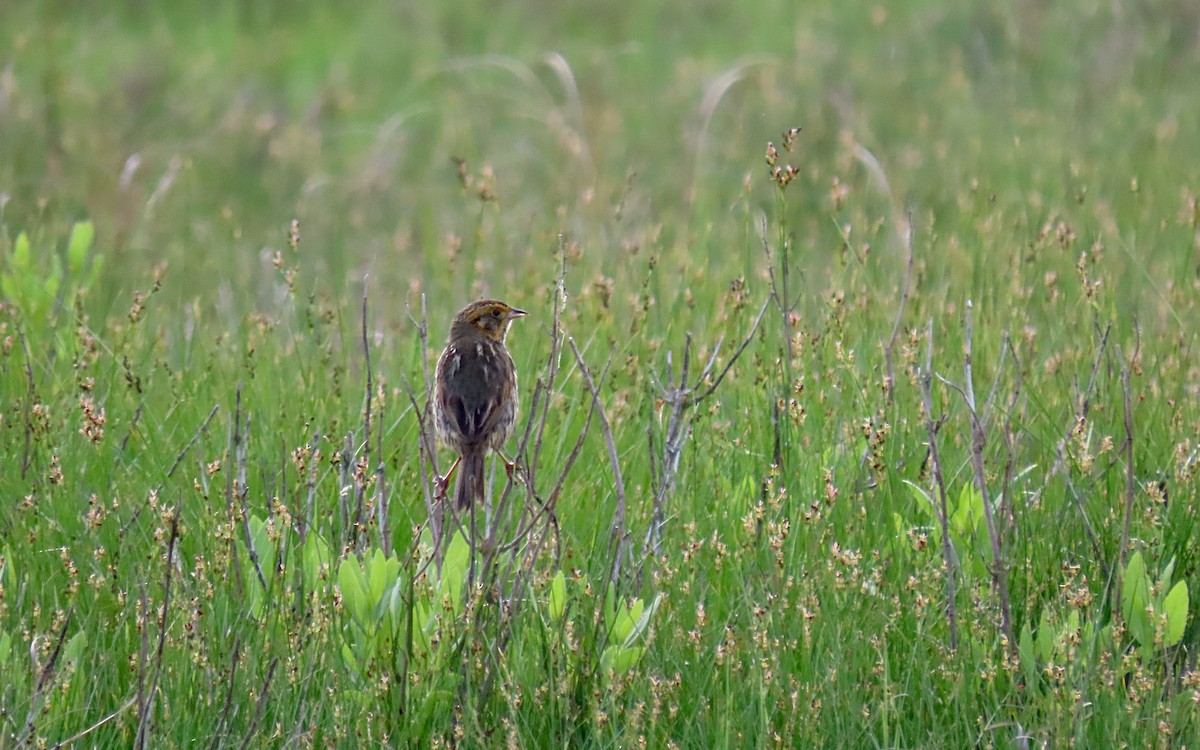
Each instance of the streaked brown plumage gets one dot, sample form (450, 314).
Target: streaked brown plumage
(475, 392)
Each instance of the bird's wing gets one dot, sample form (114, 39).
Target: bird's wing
(472, 394)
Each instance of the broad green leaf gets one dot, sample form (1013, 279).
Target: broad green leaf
(263, 547)
(1140, 627)
(617, 659)
(425, 544)
(82, 235)
(1135, 583)
(1072, 625)
(558, 597)
(1045, 638)
(623, 625)
(49, 287)
(454, 570)
(74, 648)
(925, 502)
(382, 571)
(315, 555)
(352, 582)
(373, 566)
(1164, 579)
(395, 601)
(20, 255)
(975, 498)
(1026, 654)
(1134, 598)
(422, 624)
(1146, 650)
(919, 494)
(1176, 607)
(643, 621)
(5, 648)
(959, 521)
(254, 597)
(620, 625)
(8, 285)
(389, 569)
(348, 657)
(97, 264)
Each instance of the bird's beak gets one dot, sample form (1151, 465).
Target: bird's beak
(514, 313)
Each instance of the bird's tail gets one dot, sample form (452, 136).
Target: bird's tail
(470, 479)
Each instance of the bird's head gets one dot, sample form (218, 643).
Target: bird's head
(489, 317)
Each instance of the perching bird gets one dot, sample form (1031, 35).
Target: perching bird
(475, 392)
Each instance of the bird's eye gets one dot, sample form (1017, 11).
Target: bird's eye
(496, 312)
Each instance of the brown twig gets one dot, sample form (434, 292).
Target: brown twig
(1130, 484)
(146, 702)
(531, 513)
(1007, 514)
(240, 489)
(729, 364)
(174, 465)
(44, 676)
(227, 707)
(380, 505)
(618, 536)
(310, 481)
(1084, 401)
(261, 705)
(143, 658)
(360, 487)
(779, 288)
(552, 363)
(931, 427)
(27, 452)
(978, 444)
(84, 733)
(680, 399)
(426, 442)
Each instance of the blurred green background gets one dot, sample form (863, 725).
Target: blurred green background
(195, 132)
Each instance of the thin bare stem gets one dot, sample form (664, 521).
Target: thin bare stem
(241, 489)
(227, 707)
(360, 488)
(311, 489)
(1130, 483)
(147, 703)
(618, 537)
(729, 364)
(80, 735)
(261, 705)
(27, 453)
(1007, 516)
(978, 444)
(1079, 417)
(681, 399)
(45, 674)
(931, 427)
(174, 465)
